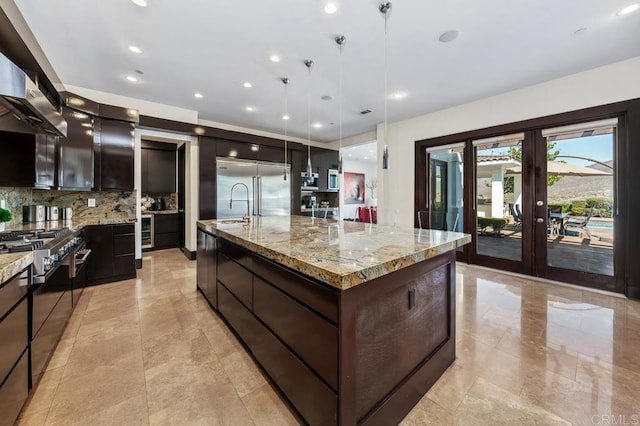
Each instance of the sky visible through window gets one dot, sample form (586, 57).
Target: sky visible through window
(599, 148)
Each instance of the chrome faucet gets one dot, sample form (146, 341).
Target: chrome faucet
(246, 217)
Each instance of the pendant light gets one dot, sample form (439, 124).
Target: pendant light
(285, 81)
(340, 40)
(385, 9)
(309, 63)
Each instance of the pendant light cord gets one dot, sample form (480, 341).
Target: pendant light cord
(340, 102)
(386, 74)
(309, 120)
(286, 121)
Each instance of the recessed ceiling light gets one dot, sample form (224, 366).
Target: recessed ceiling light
(199, 131)
(449, 36)
(141, 3)
(317, 125)
(131, 78)
(349, 155)
(249, 108)
(330, 8)
(629, 9)
(371, 151)
(366, 158)
(285, 117)
(135, 49)
(275, 58)
(248, 85)
(399, 95)
(198, 95)
(255, 148)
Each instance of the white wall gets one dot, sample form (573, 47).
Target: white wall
(369, 169)
(612, 83)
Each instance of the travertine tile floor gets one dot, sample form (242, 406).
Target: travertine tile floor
(151, 351)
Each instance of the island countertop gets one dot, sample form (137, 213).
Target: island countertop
(13, 263)
(341, 254)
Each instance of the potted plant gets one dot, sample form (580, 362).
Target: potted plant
(5, 216)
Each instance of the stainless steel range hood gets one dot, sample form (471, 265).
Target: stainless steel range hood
(23, 107)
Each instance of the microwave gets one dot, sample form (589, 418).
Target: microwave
(333, 180)
(309, 182)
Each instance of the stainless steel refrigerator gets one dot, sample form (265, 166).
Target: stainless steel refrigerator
(269, 194)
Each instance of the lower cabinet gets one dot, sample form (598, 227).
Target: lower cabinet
(207, 267)
(112, 253)
(14, 352)
(165, 231)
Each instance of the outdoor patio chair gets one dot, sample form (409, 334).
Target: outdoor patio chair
(580, 226)
(517, 217)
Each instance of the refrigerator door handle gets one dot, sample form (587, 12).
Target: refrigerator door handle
(259, 196)
(255, 197)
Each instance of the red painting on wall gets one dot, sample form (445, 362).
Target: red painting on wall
(353, 188)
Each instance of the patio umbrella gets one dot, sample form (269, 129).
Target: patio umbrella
(562, 169)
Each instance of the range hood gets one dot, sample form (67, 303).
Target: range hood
(23, 107)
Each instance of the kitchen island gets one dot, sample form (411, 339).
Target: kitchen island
(354, 322)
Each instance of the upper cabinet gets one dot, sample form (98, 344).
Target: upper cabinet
(322, 160)
(114, 155)
(75, 154)
(27, 160)
(158, 167)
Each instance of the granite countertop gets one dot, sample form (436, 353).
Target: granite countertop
(341, 254)
(173, 211)
(13, 263)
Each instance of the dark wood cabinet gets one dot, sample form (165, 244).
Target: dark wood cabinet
(159, 170)
(115, 155)
(165, 231)
(75, 152)
(322, 160)
(207, 267)
(112, 253)
(27, 160)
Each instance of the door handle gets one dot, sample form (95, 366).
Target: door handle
(255, 185)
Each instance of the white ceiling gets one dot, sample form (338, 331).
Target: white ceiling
(213, 47)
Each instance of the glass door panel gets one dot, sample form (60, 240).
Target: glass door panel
(499, 196)
(581, 197)
(445, 189)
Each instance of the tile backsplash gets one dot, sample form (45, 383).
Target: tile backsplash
(109, 205)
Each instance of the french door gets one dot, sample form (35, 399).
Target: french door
(542, 202)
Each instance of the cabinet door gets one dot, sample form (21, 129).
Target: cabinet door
(202, 264)
(99, 239)
(212, 260)
(45, 164)
(161, 171)
(144, 172)
(17, 152)
(116, 155)
(75, 159)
